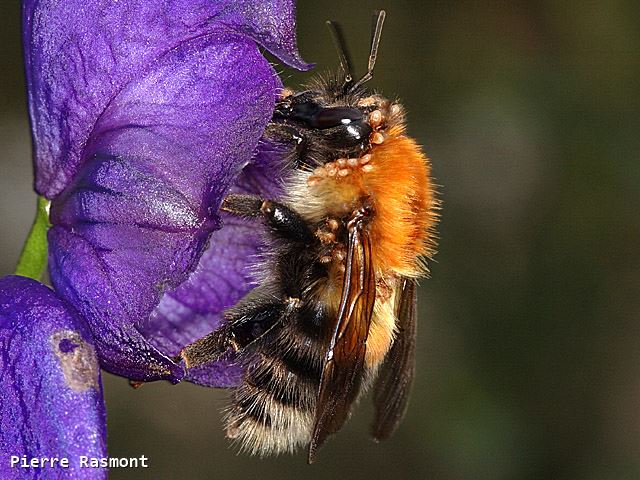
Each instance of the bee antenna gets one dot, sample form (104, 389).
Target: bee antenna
(376, 33)
(343, 53)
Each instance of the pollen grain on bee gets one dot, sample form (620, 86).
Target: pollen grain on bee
(333, 224)
(366, 158)
(293, 302)
(367, 102)
(375, 118)
(377, 138)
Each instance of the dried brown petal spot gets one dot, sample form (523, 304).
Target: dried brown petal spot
(77, 359)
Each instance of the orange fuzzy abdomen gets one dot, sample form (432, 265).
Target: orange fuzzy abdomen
(400, 188)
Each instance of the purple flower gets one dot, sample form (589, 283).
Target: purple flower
(51, 403)
(144, 114)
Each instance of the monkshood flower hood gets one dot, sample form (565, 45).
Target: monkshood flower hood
(145, 114)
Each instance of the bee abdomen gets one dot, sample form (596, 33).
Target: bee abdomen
(273, 409)
(284, 387)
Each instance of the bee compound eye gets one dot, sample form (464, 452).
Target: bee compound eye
(334, 117)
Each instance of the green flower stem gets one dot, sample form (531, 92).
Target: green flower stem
(33, 259)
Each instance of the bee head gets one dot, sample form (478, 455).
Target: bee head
(341, 127)
(331, 113)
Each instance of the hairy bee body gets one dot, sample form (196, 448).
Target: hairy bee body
(273, 410)
(335, 309)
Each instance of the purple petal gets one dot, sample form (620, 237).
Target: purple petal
(270, 23)
(138, 215)
(81, 55)
(51, 403)
(222, 277)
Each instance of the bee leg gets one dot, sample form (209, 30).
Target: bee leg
(284, 221)
(278, 133)
(244, 325)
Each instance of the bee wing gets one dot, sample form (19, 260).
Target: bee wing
(344, 360)
(393, 385)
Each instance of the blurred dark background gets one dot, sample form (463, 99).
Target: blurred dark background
(529, 339)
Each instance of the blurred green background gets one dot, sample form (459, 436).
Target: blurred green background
(529, 339)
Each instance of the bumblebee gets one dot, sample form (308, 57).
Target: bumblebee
(335, 311)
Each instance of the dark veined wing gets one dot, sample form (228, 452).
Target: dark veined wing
(392, 388)
(344, 360)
